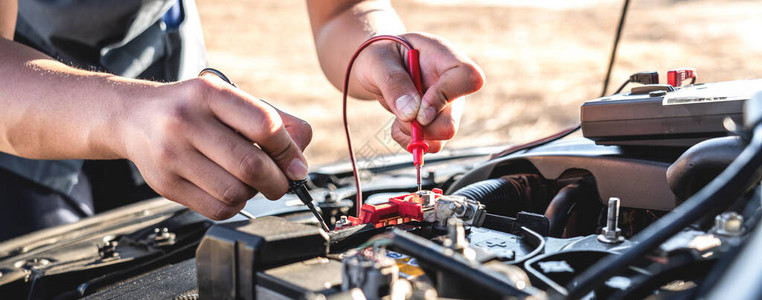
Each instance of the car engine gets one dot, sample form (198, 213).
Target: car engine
(658, 197)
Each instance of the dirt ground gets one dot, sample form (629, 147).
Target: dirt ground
(541, 61)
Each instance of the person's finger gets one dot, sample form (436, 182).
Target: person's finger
(262, 124)
(444, 126)
(436, 146)
(454, 83)
(404, 140)
(240, 158)
(396, 87)
(300, 130)
(214, 180)
(186, 193)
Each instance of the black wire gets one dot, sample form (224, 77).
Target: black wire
(36, 274)
(217, 73)
(621, 87)
(736, 179)
(605, 81)
(603, 94)
(613, 50)
(537, 143)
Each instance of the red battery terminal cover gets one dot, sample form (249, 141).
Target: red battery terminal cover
(675, 77)
(398, 210)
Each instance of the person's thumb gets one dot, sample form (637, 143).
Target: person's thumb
(398, 91)
(454, 83)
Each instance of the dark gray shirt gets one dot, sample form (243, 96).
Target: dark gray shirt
(151, 39)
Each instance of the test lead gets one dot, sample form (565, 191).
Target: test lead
(417, 145)
(297, 187)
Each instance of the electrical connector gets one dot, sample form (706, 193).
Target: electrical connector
(648, 77)
(675, 77)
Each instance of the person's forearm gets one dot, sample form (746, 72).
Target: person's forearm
(340, 26)
(200, 142)
(53, 111)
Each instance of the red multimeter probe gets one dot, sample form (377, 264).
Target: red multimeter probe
(417, 145)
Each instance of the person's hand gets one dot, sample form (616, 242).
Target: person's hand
(211, 147)
(447, 76)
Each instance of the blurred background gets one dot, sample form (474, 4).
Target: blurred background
(542, 59)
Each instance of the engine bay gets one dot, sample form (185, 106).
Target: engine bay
(536, 221)
(529, 222)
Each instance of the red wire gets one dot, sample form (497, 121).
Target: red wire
(408, 46)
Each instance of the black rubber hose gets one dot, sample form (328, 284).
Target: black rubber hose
(732, 183)
(486, 190)
(502, 196)
(701, 163)
(559, 208)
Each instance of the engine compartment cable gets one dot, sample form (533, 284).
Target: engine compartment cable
(537, 143)
(573, 129)
(621, 87)
(617, 37)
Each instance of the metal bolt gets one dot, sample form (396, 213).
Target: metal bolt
(34, 263)
(108, 250)
(427, 198)
(343, 221)
(453, 207)
(612, 219)
(728, 224)
(161, 237)
(456, 235)
(330, 197)
(611, 234)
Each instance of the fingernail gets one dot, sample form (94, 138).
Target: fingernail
(426, 115)
(407, 106)
(297, 170)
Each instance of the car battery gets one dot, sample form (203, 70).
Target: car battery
(660, 115)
